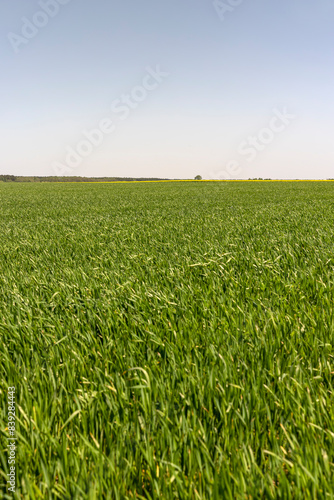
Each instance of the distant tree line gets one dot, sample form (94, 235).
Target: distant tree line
(8, 178)
(20, 178)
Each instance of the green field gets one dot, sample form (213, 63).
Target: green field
(168, 340)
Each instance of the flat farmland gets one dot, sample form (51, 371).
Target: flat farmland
(168, 340)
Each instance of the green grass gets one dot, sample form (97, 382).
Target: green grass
(169, 340)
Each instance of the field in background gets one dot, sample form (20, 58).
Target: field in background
(169, 340)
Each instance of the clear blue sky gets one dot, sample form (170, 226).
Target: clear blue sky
(232, 72)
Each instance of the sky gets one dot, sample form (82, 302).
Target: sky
(225, 89)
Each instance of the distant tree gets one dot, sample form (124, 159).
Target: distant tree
(8, 178)
(198, 178)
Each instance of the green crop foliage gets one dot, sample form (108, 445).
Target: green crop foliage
(168, 340)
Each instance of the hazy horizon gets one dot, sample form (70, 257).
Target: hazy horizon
(226, 89)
